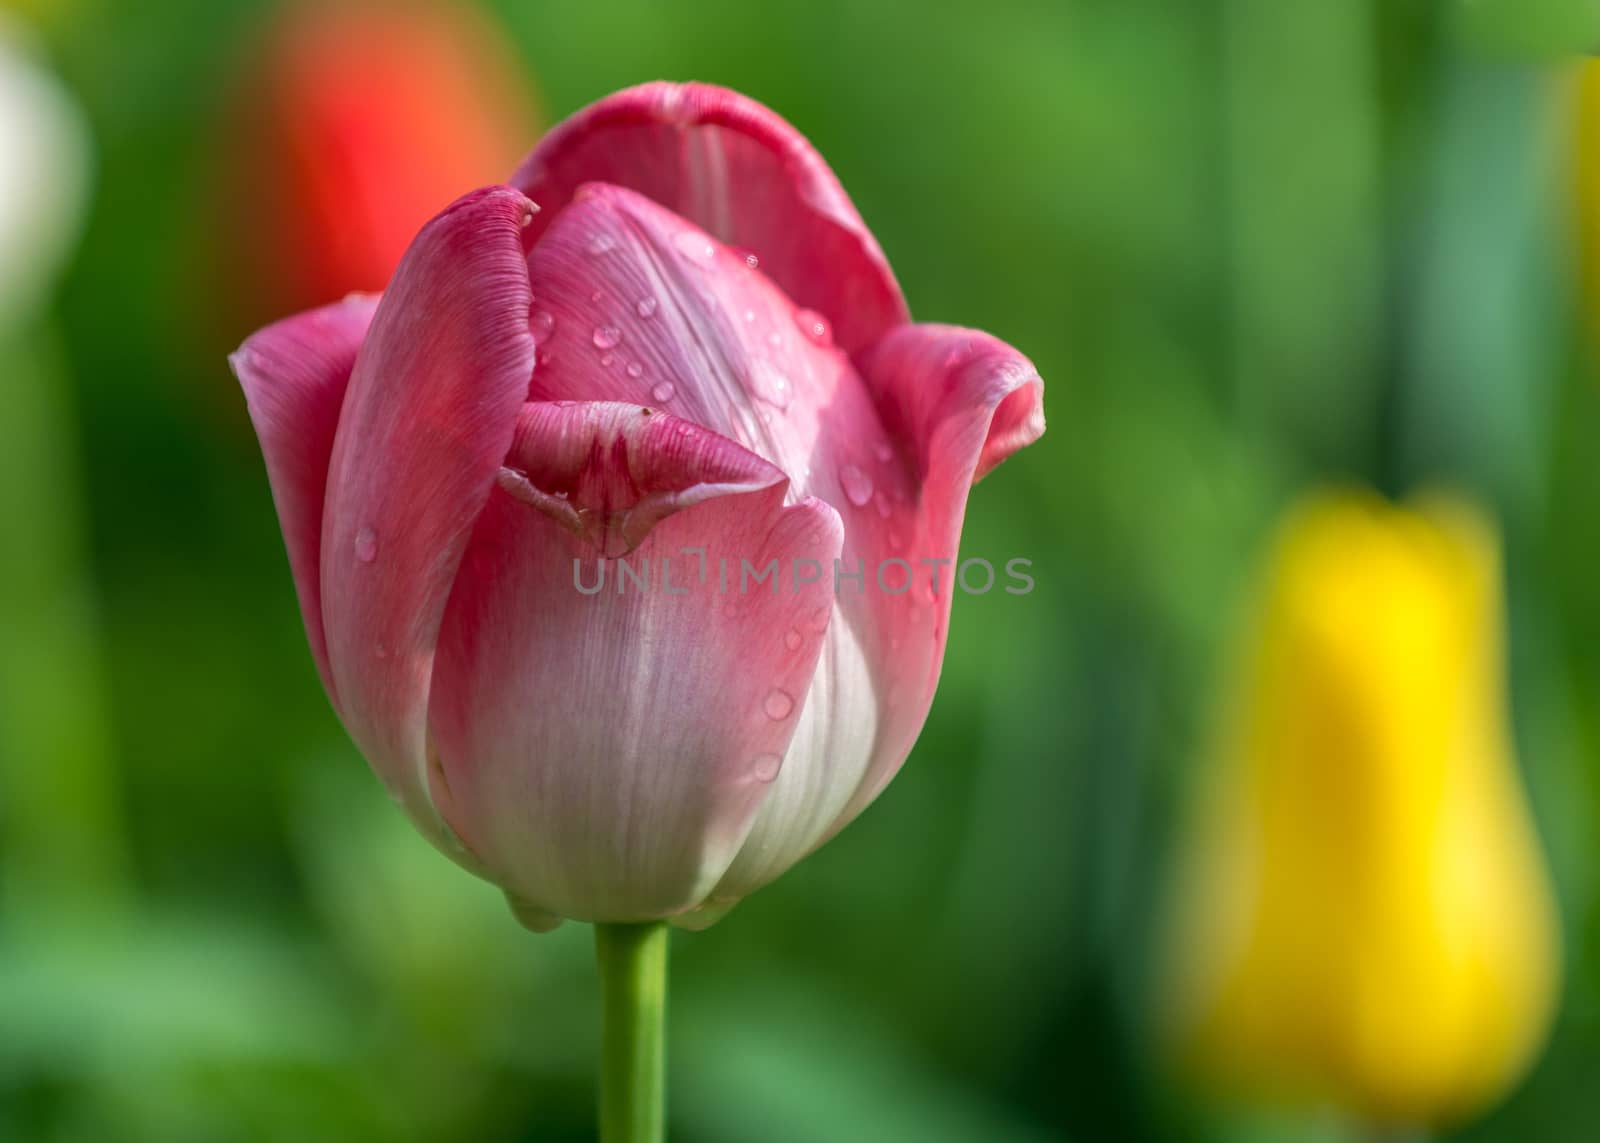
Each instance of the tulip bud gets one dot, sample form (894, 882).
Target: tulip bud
(1363, 917)
(357, 122)
(670, 345)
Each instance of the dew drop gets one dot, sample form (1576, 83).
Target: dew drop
(778, 704)
(814, 326)
(775, 339)
(883, 452)
(820, 617)
(607, 336)
(635, 370)
(543, 323)
(646, 307)
(694, 245)
(366, 545)
(793, 639)
(881, 503)
(857, 485)
(770, 384)
(748, 257)
(601, 244)
(750, 316)
(608, 359)
(766, 767)
(663, 393)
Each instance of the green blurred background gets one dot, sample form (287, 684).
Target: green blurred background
(1251, 245)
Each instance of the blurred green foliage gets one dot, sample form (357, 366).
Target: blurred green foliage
(1251, 245)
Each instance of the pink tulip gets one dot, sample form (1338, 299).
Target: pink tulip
(692, 342)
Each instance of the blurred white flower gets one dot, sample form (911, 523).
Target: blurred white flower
(44, 174)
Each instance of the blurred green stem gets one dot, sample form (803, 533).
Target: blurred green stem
(633, 987)
(60, 813)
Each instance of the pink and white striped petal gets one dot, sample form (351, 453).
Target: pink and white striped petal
(957, 402)
(429, 415)
(603, 752)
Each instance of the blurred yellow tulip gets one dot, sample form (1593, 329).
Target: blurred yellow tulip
(1362, 916)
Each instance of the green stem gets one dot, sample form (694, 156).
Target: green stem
(633, 1074)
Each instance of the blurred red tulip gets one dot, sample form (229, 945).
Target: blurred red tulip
(357, 121)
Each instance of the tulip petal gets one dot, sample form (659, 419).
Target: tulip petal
(738, 170)
(603, 754)
(637, 304)
(427, 421)
(294, 374)
(960, 401)
(957, 402)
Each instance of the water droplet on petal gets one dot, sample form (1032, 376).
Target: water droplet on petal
(775, 339)
(881, 503)
(366, 545)
(814, 326)
(820, 617)
(601, 244)
(635, 370)
(663, 393)
(857, 485)
(597, 295)
(766, 767)
(748, 257)
(606, 336)
(883, 452)
(778, 704)
(543, 323)
(694, 245)
(647, 307)
(750, 316)
(608, 359)
(770, 384)
(793, 639)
